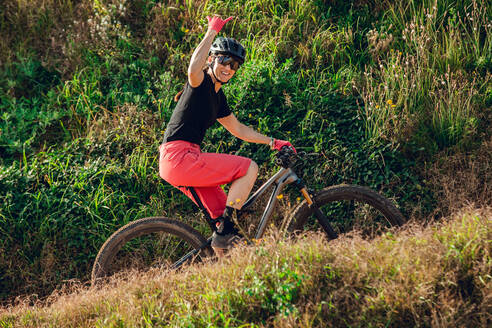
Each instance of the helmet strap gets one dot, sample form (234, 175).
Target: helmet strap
(211, 65)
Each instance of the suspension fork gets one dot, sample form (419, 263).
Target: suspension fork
(322, 219)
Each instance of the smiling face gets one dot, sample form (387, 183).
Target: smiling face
(223, 72)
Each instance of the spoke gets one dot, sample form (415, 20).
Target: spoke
(175, 248)
(166, 244)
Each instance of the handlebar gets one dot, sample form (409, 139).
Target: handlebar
(286, 157)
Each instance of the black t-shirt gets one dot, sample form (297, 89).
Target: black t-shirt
(196, 111)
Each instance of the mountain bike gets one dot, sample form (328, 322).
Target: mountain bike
(167, 244)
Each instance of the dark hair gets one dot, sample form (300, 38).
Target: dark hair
(178, 95)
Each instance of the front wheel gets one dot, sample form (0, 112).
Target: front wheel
(153, 242)
(347, 207)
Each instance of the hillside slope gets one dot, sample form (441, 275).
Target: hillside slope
(437, 276)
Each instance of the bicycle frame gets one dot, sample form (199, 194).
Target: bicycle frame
(280, 179)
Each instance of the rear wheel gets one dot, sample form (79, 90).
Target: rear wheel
(154, 242)
(347, 208)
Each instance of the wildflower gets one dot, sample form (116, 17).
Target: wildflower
(377, 106)
(280, 196)
(187, 30)
(250, 116)
(298, 199)
(149, 92)
(393, 106)
(390, 102)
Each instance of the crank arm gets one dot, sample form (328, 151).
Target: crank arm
(190, 254)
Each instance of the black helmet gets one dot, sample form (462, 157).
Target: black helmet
(228, 46)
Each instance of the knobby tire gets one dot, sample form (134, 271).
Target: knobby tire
(142, 227)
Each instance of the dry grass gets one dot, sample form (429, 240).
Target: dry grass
(437, 276)
(463, 179)
(127, 122)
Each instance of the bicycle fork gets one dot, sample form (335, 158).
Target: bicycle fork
(322, 219)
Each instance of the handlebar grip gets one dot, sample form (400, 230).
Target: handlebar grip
(284, 147)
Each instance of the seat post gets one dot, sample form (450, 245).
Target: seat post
(208, 218)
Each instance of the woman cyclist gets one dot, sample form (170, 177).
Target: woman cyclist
(201, 103)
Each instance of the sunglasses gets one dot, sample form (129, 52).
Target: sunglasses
(228, 60)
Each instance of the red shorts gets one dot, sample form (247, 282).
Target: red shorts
(182, 164)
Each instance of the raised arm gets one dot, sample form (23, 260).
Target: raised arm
(199, 57)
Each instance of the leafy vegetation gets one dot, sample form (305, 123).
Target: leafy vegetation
(86, 89)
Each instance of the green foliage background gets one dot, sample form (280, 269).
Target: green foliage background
(86, 90)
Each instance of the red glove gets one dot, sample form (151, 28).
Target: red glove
(278, 144)
(216, 23)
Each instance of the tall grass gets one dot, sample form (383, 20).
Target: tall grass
(428, 73)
